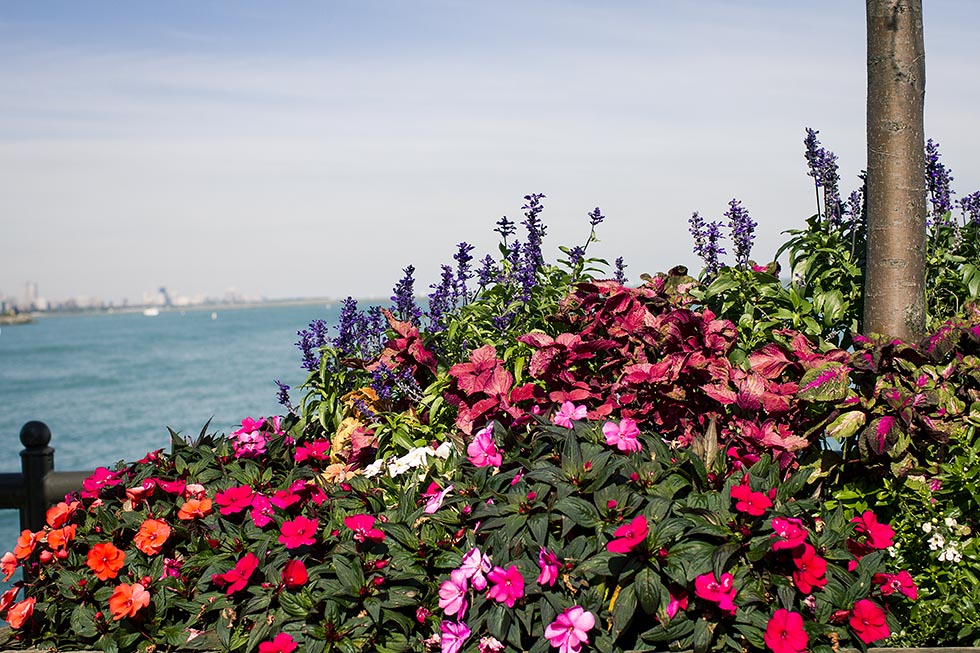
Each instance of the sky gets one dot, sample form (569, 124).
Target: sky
(315, 149)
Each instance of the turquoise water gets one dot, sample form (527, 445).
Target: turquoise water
(108, 386)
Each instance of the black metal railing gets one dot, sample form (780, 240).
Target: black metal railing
(37, 486)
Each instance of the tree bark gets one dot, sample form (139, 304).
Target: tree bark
(894, 290)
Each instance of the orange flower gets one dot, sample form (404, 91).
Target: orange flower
(57, 516)
(20, 613)
(105, 560)
(60, 537)
(8, 565)
(25, 545)
(194, 508)
(127, 600)
(151, 536)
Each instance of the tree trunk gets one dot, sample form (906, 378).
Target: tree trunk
(894, 290)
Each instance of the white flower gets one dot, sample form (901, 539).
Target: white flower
(927, 527)
(936, 542)
(417, 457)
(893, 551)
(374, 468)
(443, 450)
(951, 554)
(951, 523)
(397, 468)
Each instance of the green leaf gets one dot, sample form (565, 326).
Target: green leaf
(580, 511)
(647, 586)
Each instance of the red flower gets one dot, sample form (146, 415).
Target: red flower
(105, 560)
(628, 536)
(25, 544)
(900, 582)
(9, 597)
(363, 527)
(868, 621)
(790, 532)
(282, 643)
(295, 575)
(785, 633)
(720, 591)
(297, 532)
(878, 536)
(234, 499)
(8, 565)
(747, 501)
(57, 516)
(810, 571)
(317, 450)
(237, 578)
(59, 538)
(18, 615)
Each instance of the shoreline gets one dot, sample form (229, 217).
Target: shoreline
(327, 302)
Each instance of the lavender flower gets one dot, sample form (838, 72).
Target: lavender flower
(463, 259)
(310, 342)
(283, 396)
(596, 217)
(535, 230)
(970, 206)
(706, 238)
(441, 298)
(403, 295)
(696, 228)
(823, 168)
(379, 382)
(620, 270)
(488, 272)
(359, 334)
(502, 322)
(938, 178)
(347, 327)
(575, 255)
(743, 231)
(505, 228)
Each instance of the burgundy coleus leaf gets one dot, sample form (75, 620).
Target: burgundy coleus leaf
(770, 361)
(483, 373)
(408, 349)
(470, 415)
(665, 371)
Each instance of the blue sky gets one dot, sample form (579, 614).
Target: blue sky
(317, 148)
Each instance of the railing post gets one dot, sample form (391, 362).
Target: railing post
(37, 460)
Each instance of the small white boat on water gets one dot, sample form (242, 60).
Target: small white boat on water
(151, 312)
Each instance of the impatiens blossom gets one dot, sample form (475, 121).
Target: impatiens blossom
(363, 527)
(570, 630)
(249, 441)
(877, 536)
(19, 613)
(550, 566)
(195, 509)
(789, 533)
(100, 478)
(475, 566)
(281, 643)
(127, 600)
(452, 594)
(434, 501)
(25, 544)
(294, 575)
(749, 502)
(811, 569)
(454, 635)
(7, 598)
(507, 585)
(900, 582)
(261, 511)
(59, 514)
(628, 536)
(490, 645)
(298, 532)
(868, 621)
(482, 451)
(317, 450)
(238, 576)
(717, 590)
(8, 565)
(566, 413)
(678, 601)
(59, 538)
(785, 633)
(105, 560)
(234, 499)
(623, 435)
(151, 536)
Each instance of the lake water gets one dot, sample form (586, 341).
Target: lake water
(108, 386)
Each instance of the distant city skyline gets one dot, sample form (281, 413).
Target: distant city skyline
(316, 149)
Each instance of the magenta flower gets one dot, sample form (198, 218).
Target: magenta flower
(297, 532)
(100, 478)
(453, 635)
(282, 643)
(785, 633)
(474, 566)
(749, 502)
(879, 536)
(262, 511)
(490, 645)
(294, 575)
(452, 594)
(550, 567)
(171, 568)
(237, 578)
(678, 601)
(508, 585)
(570, 630)
(363, 527)
(482, 451)
(717, 590)
(900, 582)
(628, 536)
(622, 436)
(317, 450)
(234, 499)
(566, 413)
(789, 531)
(434, 502)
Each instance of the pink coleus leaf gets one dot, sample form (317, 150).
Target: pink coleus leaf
(770, 361)
(828, 381)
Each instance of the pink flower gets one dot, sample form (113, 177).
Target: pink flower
(900, 582)
(785, 634)
(282, 643)
(452, 594)
(474, 566)
(490, 645)
(508, 585)
(549, 564)
(790, 532)
(628, 536)
(171, 568)
(363, 527)
(234, 499)
(317, 450)
(868, 621)
(623, 436)
(99, 479)
(237, 578)
(678, 602)
(434, 502)
(249, 441)
(749, 502)
(879, 536)
(567, 413)
(298, 532)
(453, 635)
(261, 512)
(720, 591)
(570, 630)
(810, 570)
(294, 575)
(482, 451)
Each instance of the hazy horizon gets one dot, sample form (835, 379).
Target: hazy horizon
(316, 149)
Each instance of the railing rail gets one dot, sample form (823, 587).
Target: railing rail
(38, 485)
